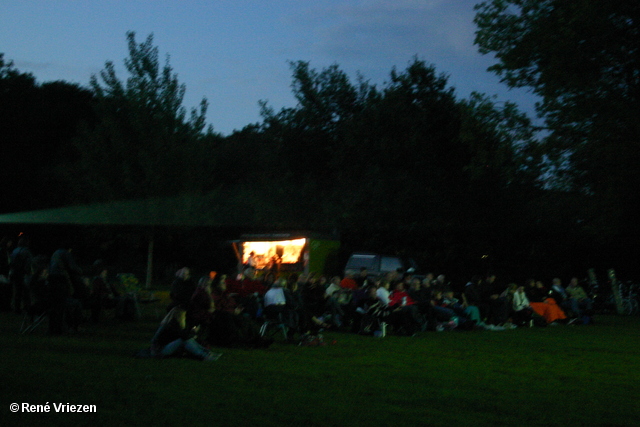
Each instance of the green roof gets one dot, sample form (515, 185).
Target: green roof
(176, 211)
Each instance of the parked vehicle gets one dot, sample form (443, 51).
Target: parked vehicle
(377, 264)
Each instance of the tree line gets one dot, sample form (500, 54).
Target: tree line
(404, 167)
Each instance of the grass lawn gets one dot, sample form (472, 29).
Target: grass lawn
(564, 375)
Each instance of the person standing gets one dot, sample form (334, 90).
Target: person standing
(6, 289)
(64, 276)
(20, 268)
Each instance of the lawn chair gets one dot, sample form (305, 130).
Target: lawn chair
(39, 305)
(374, 321)
(274, 323)
(32, 319)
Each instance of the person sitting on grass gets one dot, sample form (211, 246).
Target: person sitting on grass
(494, 302)
(450, 301)
(173, 338)
(568, 304)
(583, 304)
(470, 298)
(542, 304)
(522, 313)
(442, 316)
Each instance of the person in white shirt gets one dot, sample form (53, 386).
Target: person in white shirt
(275, 295)
(335, 301)
(275, 305)
(383, 292)
(522, 311)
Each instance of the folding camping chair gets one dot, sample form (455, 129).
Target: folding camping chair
(274, 323)
(32, 319)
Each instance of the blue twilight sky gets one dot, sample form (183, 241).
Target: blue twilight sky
(235, 52)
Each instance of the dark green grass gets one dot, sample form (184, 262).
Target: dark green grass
(582, 375)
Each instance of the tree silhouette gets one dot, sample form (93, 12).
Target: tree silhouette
(144, 144)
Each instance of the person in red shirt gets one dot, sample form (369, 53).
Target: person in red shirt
(349, 282)
(405, 311)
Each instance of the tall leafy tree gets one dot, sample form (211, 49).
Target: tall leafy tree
(404, 150)
(502, 141)
(36, 121)
(406, 166)
(145, 143)
(308, 139)
(313, 130)
(364, 154)
(504, 171)
(583, 59)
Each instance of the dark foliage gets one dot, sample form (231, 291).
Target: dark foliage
(37, 121)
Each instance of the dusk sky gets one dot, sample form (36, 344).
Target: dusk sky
(236, 52)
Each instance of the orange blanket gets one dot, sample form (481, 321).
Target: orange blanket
(549, 309)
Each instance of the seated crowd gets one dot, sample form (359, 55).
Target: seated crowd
(229, 311)
(221, 311)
